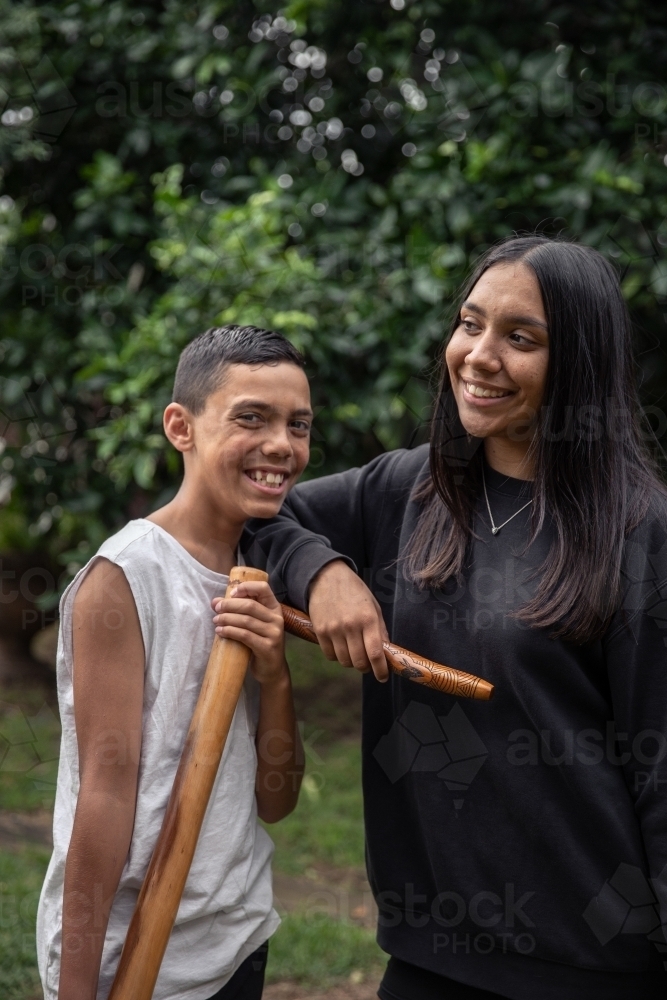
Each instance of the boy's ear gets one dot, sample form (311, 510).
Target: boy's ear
(179, 426)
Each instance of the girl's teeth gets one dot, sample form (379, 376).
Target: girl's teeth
(476, 390)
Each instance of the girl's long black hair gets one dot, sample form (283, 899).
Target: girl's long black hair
(594, 476)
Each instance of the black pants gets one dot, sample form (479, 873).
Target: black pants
(403, 981)
(247, 982)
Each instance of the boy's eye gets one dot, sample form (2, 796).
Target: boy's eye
(301, 425)
(249, 417)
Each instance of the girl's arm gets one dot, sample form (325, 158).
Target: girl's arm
(319, 546)
(108, 698)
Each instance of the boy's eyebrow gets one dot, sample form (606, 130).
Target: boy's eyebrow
(519, 320)
(259, 404)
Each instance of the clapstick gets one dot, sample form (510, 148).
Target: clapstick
(406, 664)
(165, 879)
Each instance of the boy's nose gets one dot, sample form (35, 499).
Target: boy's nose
(277, 444)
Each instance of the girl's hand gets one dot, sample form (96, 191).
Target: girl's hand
(253, 616)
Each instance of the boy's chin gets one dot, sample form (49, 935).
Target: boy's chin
(264, 507)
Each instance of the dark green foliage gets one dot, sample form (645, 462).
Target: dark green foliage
(149, 196)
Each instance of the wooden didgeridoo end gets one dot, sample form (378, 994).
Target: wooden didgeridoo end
(406, 664)
(158, 902)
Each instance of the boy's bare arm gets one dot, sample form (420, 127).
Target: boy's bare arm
(253, 616)
(108, 699)
(280, 757)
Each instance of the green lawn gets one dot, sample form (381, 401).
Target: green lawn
(318, 950)
(326, 825)
(21, 876)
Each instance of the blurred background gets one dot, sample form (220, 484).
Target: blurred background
(325, 168)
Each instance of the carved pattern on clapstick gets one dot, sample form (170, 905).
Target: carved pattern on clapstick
(445, 679)
(406, 664)
(298, 624)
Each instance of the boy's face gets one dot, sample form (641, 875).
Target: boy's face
(251, 442)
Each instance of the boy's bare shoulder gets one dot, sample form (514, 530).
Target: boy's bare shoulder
(105, 581)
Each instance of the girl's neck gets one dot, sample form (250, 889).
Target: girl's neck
(510, 458)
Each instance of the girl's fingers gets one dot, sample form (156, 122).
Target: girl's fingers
(327, 648)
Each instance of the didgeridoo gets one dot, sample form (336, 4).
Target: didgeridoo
(406, 664)
(160, 895)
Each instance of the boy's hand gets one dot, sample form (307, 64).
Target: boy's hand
(253, 616)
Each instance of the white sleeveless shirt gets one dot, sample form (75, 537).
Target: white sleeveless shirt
(226, 911)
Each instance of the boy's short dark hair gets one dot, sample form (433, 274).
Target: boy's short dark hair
(200, 369)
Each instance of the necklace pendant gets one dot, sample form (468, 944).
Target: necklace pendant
(494, 531)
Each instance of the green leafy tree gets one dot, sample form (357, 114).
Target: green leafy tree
(329, 169)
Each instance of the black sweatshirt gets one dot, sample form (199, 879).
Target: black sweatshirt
(517, 845)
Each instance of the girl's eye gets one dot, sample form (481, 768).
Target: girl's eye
(469, 324)
(300, 425)
(520, 338)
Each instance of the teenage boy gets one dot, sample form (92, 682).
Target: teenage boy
(136, 631)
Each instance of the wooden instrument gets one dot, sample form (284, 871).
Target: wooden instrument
(160, 895)
(406, 664)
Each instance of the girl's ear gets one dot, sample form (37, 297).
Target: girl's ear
(179, 426)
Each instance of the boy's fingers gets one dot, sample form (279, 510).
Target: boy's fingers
(258, 590)
(266, 629)
(245, 606)
(249, 639)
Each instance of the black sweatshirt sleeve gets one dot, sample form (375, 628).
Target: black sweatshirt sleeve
(335, 517)
(636, 659)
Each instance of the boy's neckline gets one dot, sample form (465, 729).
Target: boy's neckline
(186, 554)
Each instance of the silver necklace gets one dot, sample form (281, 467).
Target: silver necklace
(494, 529)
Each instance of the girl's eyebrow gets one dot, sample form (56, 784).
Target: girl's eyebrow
(519, 320)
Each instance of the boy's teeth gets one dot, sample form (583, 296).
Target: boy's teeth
(476, 390)
(267, 478)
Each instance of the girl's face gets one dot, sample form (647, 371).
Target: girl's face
(498, 355)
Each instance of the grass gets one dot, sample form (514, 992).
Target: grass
(318, 950)
(327, 824)
(21, 877)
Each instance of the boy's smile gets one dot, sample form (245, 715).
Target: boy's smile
(269, 480)
(242, 454)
